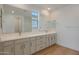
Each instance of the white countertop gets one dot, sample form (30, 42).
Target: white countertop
(15, 36)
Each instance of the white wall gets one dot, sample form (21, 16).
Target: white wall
(68, 27)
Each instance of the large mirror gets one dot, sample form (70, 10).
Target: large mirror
(16, 20)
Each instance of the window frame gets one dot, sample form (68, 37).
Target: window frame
(35, 18)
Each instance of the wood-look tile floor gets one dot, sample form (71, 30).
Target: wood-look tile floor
(57, 50)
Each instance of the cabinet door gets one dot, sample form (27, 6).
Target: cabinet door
(27, 47)
(33, 45)
(8, 47)
(19, 49)
(9, 50)
(38, 42)
(44, 39)
(49, 39)
(41, 44)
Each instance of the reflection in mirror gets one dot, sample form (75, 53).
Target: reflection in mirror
(10, 19)
(27, 24)
(16, 20)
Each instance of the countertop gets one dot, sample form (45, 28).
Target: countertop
(15, 36)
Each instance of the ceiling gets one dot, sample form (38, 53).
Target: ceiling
(40, 6)
(46, 6)
(23, 9)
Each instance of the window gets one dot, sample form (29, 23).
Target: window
(34, 13)
(34, 19)
(34, 24)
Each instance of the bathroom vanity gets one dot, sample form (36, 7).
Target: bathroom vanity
(26, 44)
(22, 33)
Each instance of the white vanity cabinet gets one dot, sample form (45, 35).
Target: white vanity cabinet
(33, 45)
(27, 46)
(44, 41)
(19, 47)
(8, 48)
